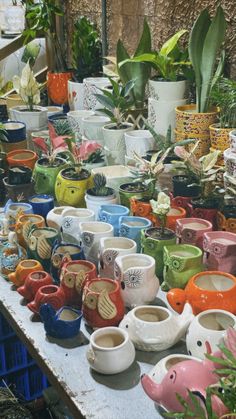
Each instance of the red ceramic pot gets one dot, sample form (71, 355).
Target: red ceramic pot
(23, 269)
(183, 202)
(102, 303)
(48, 294)
(33, 282)
(209, 214)
(57, 84)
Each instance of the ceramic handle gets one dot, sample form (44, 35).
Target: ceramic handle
(91, 356)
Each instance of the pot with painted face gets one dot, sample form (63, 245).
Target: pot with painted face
(71, 217)
(54, 217)
(90, 234)
(191, 230)
(63, 253)
(23, 269)
(24, 225)
(110, 248)
(131, 228)
(45, 174)
(33, 282)
(47, 294)
(40, 244)
(71, 186)
(41, 204)
(220, 248)
(111, 214)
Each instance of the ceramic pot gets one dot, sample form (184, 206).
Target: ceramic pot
(73, 276)
(57, 86)
(24, 225)
(191, 230)
(94, 203)
(22, 158)
(63, 253)
(45, 175)
(232, 138)
(70, 190)
(23, 269)
(229, 416)
(91, 87)
(114, 142)
(181, 187)
(173, 90)
(139, 141)
(41, 204)
(92, 126)
(33, 282)
(109, 249)
(91, 233)
(153, 328)
(205, 291)
(75, 95)
(102, 303)
(11, 255)
(207, 331)
(110, 351)
(181, 262)
(152, 244)
(75, 119)
(14, 19)
(136, 273)
(40, 244)
(230, 162)
(54, 217)
(2, 187)
(71, 217)
(47, 294)
(18, 175)
(131, 228)
(61, 324)
(111, 214)
(219, 137)
(18, 192)
(34, 120)
(200, 210)
(15, 131)
(129, 190)
(225, 222)
(53, 110)
(219, 248)
(115, 175)
(14, 210)
(183, 202)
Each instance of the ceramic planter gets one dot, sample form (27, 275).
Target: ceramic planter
(75, 119)
(70, 222)
(205, 291)
(14, 210)
(219, 137)
(230, 162)
(139, 141)
(73, 276)
(110, 351)
(191, 230)
(57, 86)
(75, 95)
(23, 269)
(173, 90)
(63, 253)
(109, 249)
(152, 244)
(61, 324)
(70, 188)
(229, 416)
(219, 248)
(102, 303)
(94, 203)
(91, 87)
(226, 219)
(92, 126)
(207, 331)
(183, 202)
(153, 328)
(129, 190)
(11, 255)
(137, 117)
(111, 214)
(131, 228)
(47, 294)
(181, 262)
(181, 187)
(34, 120)
(45, 175)
(18, 175)
(33, 282)
(41, 204)
(52, 110)
(24, 225)
(18, 192)
(40, 244)
(54, 217)
(232, 138)
(207, 211)
(2, 187)
(114, 142)
(22, 158)
(115, 175)
(91, 233)
(15, 131)
(136, 274)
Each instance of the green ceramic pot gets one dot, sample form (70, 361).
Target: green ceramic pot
(128, 190)
(152, 243)
(181, 262)
(45, 175)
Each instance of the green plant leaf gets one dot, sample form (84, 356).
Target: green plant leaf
(105, 101)
(171, 43)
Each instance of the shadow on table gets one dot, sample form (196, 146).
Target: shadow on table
(79, 340)
(154, 357)
(122, 381)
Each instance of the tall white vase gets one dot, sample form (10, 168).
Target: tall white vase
(75, 95)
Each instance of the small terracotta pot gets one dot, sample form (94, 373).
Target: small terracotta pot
(50, 294)
(33, 282)
(22, 157)
(22, 271)
(24, 224)
(57, 84)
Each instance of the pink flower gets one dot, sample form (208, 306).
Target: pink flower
(87, 148)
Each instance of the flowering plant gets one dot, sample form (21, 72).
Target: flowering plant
(27, 87)
(160, 209)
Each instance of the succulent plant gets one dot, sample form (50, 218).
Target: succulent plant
(62, 127)
(100, 188)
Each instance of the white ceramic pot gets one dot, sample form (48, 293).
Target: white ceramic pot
(207, 331)
(139, 141)
(75, 120)
(109, 249)
(14, 19)
(110, 350)
(115, 175)
(154, 328)
(54, 109)
(94, 202)
(114, 143)
(232, 137)
(33, 120)
(91, 87)
(159, 371)
(91, 233)
(71, 217)
(92, 126)
(75, 95)
(54, 217)
(136, 273)
(167, 90)
(161, 114)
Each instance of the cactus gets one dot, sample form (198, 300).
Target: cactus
(100, 188)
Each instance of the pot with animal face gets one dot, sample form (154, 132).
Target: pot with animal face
(40, 244)
(220, 248)
(110, 248)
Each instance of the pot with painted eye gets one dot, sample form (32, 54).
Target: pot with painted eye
(136, 274)
(220, 250)
(63, 253)
(190, 230)
(110, 248)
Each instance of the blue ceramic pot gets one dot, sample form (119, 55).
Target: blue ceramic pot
(111, 214)
(15, 131)
(56, 323)
(42, 204)
(14, 209)
(62, 253)
(131, 227)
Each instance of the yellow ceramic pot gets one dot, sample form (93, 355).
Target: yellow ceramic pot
(203, 145)
(219, 137)
(24, 224)
(24, 268)
(71, 187)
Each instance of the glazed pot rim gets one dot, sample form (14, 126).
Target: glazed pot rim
(62, 174)
(186, 108)
(106, 331)
(43, 274)
(20, 108)
(186, 221)
(87, 224)
(109, 207)
(22, 151)
(216, 127)
(54, 289)
(47, 229)
(168, 81)
(216, 273)
(17, 186)
(103, 241)
(108, 127)
(86, 263)
(123, 221)
(114, 283)
(145, 188)
(159, 238)
(34, 262)
(44, 196)
(150, 307)
(76, 212)
(215, 311)
(139, 256)
(67, 246)
(221, 234)
(78, 312)
(29, 216)
(196, 251)
(11, 121)
(38, 162)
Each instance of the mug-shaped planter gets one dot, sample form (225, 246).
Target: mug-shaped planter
(61, 253)
(140, 141)
(131, 228)
(207, 331)
(23, 269)
(40, 244)
(102, 303)
(110, 351)
(71, 217)
(136, 274)
(205, 291)
(181, 262)
(47, 294)
(22, 157)
(41, 204)
(33, 282)
(191, 230)
(220, 248)
(91, 233)
(111, 214)
(14, 210)
(24, 225)
(61, 324)
(183, 202)
(15, 131)
(73, 276)
(110, 248)
(54, 217)
(153, 328)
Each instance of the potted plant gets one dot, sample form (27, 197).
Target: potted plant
(92, 154)
(99, 194)
(206, 38)
(86, 59)
(131, 189)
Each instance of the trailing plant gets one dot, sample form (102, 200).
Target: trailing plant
(223, 95)
(160, 209)
(206, 38)
(86, 50)
(100, 188)
(27, 87)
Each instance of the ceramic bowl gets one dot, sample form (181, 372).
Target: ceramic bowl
(23, 269)
(50, 294)
(33, 282)
(61, 324)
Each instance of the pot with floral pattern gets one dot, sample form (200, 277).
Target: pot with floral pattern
(111, 214)
(131, 227)
(40, 244)
(102, 303)
(220, 250)
(91, 233)
(110, 248)
(191, 230)
(11, 255)
(71, 217)
(33, 282)
(24, 225)
(181, 262)
(63, 253)
(136, 274)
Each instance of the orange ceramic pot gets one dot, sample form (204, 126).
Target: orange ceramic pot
(48, 294)
(24, 268)
(205, 291)
(33, 282)
(22, 157)
(57, 84)
(24, 224)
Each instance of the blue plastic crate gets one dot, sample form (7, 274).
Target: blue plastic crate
(18, 383)
(15, 354)
(37, 382)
